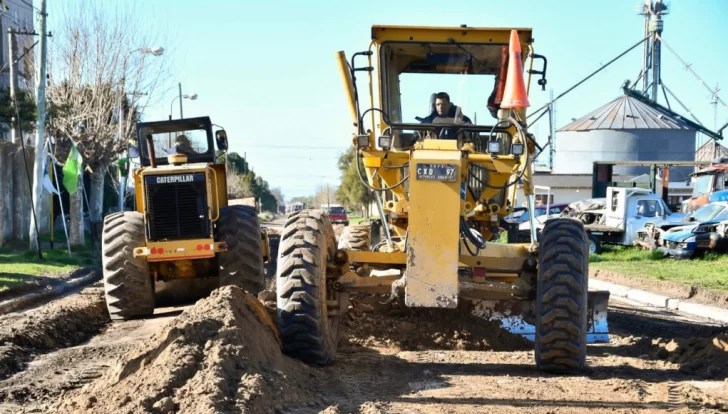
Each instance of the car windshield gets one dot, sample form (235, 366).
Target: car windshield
(707, 212)
(337, 210)
(703, 185)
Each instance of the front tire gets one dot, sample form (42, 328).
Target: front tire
(128, 286)
(309, 327)
(242, 264)
(561, 298)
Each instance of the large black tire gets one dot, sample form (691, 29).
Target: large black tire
(561, 298)
(128, 286)
(308, 332)
(356, 237)
(242, 264)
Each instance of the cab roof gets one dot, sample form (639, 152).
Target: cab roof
(463, 34)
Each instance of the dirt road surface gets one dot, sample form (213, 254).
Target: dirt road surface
(221, 355)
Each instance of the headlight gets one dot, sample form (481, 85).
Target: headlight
(362, 141)
(385, 142)
(517, 150)
(494, 147)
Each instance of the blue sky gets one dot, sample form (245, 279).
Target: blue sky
(266, 71)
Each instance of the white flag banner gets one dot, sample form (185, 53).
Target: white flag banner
(47, 184)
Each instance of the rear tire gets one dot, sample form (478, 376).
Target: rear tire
(242, 264)
(128, 286)
(356, 237)
(308, 332)
(561, 300)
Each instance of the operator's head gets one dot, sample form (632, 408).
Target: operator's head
(442, 103)
(182, 140)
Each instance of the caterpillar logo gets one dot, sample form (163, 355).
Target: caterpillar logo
(171, 179)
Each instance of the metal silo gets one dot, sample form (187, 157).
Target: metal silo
(629, 128)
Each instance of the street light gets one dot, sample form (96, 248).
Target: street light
(191, 97)
(154, 51)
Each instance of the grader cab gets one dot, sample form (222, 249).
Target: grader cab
(444, 179)
(183, 227)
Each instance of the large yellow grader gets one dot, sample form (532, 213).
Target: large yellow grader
(183, 227)
(443, 184)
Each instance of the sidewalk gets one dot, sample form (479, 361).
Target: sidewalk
(661, 301)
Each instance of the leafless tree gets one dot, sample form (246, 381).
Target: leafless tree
(238, 187)
(97, 59)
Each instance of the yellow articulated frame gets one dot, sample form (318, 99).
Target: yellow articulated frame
(180, 250)
(265, 246)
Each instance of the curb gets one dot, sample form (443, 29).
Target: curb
(660, 301)
(20, 302)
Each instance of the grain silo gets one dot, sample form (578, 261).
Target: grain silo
(629, 128)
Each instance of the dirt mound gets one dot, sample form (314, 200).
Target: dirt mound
(707, 357)
(371, 322)
(66, 322)
(221, 355)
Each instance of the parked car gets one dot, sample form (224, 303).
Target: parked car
(337, 213)
(652, 234)
(522, 216)
(687, 242)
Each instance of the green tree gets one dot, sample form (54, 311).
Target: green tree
(26, 108)
(352, 193)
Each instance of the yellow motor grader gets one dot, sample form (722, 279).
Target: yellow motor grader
(183, 227)
(443, 185)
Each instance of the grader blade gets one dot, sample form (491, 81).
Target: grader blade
(519, 317)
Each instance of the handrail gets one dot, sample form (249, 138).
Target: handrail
(217, 196)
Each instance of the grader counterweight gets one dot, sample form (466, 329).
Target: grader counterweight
(443, 185)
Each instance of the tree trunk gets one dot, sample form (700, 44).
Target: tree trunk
(76, 234)
(96, 201)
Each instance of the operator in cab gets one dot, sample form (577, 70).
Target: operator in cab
(182, 145)
(443, 108)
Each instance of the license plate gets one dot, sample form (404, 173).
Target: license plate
(437, 172)
(704, 243)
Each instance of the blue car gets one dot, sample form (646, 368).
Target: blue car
(688, 242)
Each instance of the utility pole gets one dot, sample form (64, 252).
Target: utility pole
(15, 130)
(552, 134)
(40, 100)
(181, 116)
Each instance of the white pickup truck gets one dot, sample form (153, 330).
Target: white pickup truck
(625, 211)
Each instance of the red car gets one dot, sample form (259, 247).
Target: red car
(337, 214)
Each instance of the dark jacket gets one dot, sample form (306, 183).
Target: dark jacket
(449, 133)
(450, 114)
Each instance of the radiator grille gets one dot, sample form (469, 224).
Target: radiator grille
(176, 207)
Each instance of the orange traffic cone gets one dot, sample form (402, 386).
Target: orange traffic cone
(515, 95)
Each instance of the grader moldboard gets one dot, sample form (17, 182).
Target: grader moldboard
(183, 227)
(448, 184)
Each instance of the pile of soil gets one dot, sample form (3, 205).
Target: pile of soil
(66, 322)
(707, 357)
(371, 322)
(221, 355)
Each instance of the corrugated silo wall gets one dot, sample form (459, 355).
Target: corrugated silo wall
(577, 151)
